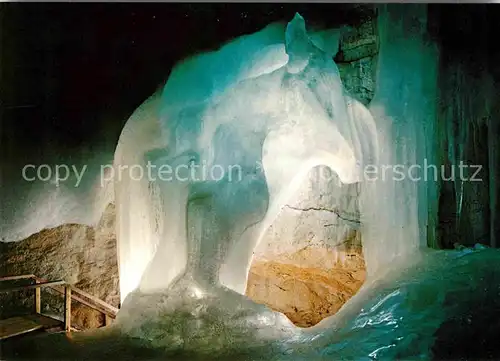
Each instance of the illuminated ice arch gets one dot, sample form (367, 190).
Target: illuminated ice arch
(274, 106)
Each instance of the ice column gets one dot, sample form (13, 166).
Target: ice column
(398, 197)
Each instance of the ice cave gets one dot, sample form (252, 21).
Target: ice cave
(250, 182)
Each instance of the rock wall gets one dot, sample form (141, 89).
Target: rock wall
(310, 284)
(80, 255)
(357, 60)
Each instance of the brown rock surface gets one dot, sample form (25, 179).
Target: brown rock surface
(306, 286)
(83, 256)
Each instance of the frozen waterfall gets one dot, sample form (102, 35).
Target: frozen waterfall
(264, 110)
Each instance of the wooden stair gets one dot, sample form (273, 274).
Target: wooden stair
(25, 324)
(20, 325)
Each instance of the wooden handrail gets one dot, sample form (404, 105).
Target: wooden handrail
(13, 278)
(109, 310)
(69, 294)
(96, 300)
(106, 308)
(36, 285)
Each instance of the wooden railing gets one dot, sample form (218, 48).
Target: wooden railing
(70, 293)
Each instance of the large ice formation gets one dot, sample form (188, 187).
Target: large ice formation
(260, 112)
(239, 129)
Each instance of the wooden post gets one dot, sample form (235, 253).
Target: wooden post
(107, 320)
(67, 308)
(38, 299)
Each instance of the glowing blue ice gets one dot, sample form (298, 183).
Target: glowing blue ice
(263, 110)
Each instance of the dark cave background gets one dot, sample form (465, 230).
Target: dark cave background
(71, 74)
